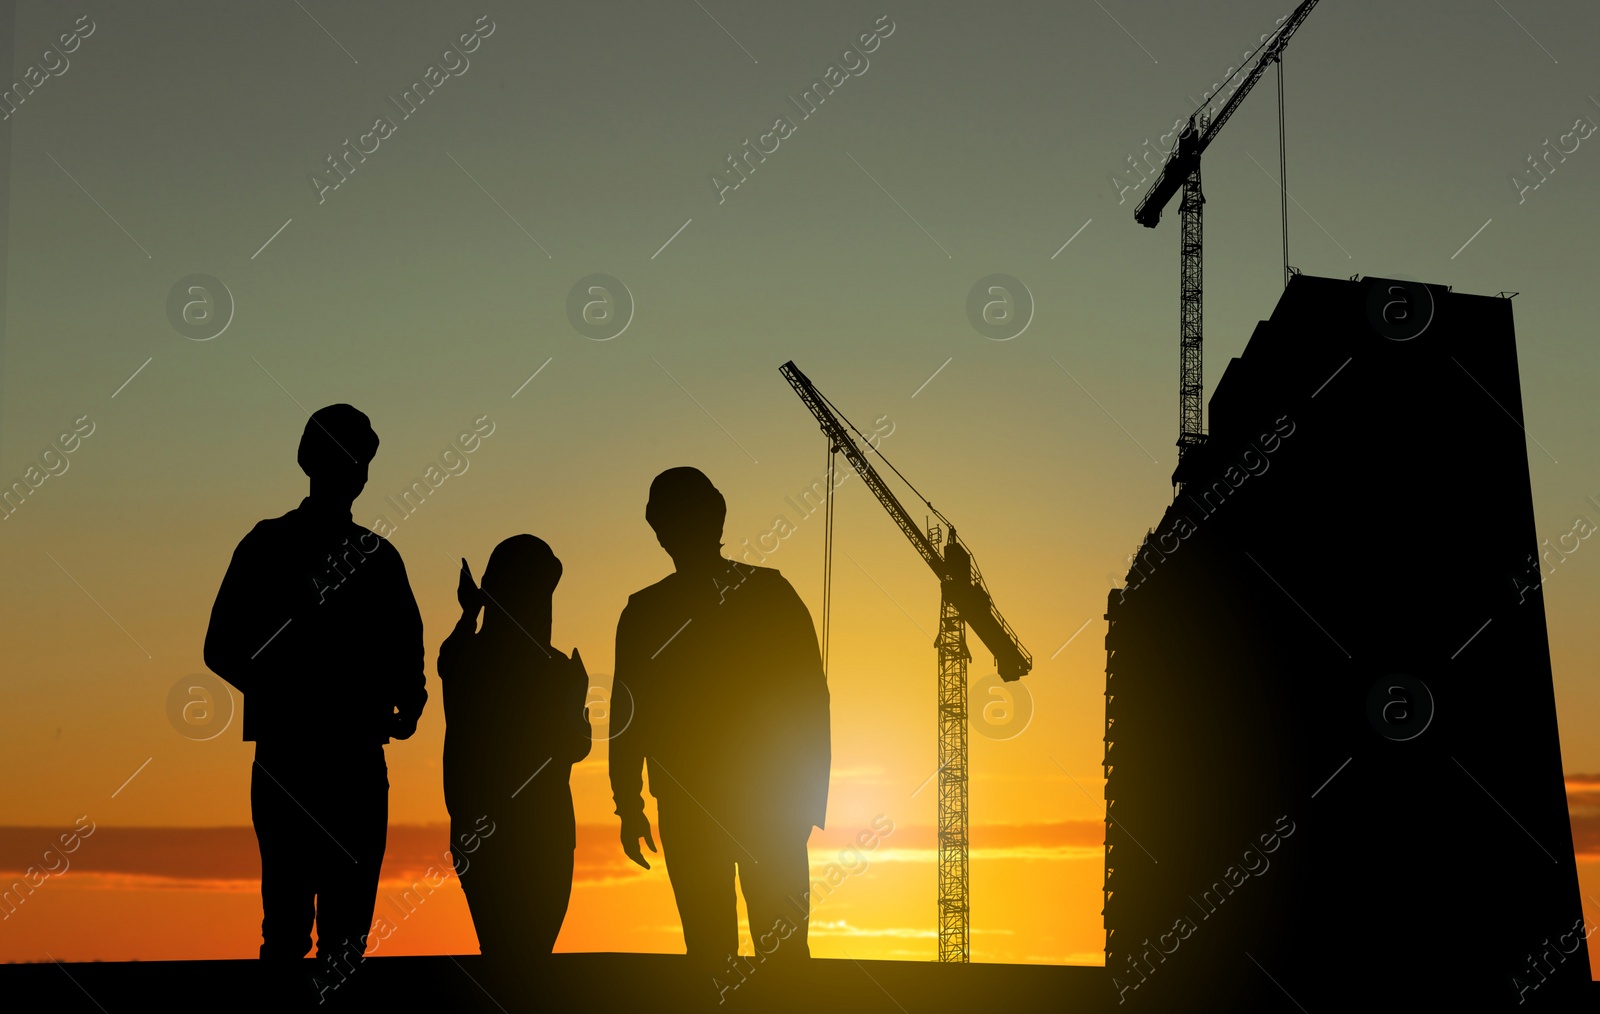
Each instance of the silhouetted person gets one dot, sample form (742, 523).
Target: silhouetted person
(316, 625)
(730, 714)
(514, 725)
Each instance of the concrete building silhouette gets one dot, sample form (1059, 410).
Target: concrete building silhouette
(1332, 760)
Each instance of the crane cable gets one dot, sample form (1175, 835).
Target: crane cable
(1283, 176)
(880, 454)
(1247, 61)
(827, 559)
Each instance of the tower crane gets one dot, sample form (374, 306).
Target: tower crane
(964, 601)
(1182, 170)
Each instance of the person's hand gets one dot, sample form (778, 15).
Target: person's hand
(577, 678)
(578, 673)
(467, 591)
(403, 726)
(633, 829)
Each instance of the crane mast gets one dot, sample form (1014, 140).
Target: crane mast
(964, 601)
(1182, 171)
(955, 917)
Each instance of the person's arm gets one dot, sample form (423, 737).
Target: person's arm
(404, 631)
(807, 694)
(232, 646)
(626, 749)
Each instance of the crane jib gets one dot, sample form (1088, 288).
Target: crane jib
(958, 575)
(1185, 158)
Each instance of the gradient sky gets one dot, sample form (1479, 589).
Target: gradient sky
(581, 139)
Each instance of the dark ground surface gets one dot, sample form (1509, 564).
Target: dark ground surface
(644, 983)
(578, 982)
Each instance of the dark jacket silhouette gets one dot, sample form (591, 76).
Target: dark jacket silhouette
(315, 624)
(730, 717)
(514, 725)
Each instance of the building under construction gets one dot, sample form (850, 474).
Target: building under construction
(1332, 763)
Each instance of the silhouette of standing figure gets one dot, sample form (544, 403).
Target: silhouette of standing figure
(730, 714)
(515, 723)
(316, 625)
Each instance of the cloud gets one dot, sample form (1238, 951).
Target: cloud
(863, 771)
(1583, 807)
(1057, 841)
(844, 928)
(165, 853)
(224, 858)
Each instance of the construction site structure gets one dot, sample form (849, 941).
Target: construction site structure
(1332, 761)
(964, 601)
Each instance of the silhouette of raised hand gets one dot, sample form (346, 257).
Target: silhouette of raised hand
(468, 593)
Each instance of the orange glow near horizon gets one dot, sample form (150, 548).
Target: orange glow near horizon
(865, 904)
(878, 907)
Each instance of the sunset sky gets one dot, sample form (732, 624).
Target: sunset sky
(432, 289)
